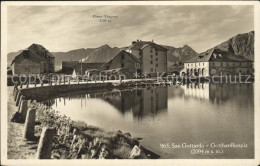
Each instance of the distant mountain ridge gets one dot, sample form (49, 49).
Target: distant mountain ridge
(105, 53)
(73, 55)
(240, 45)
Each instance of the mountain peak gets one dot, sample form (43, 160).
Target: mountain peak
(186, 47)
(105, 46)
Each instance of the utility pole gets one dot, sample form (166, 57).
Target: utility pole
(81, 65)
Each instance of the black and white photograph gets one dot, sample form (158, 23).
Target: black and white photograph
(99, 80)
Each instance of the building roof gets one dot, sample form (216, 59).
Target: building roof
(27, 54)
(215, 55)
(126, 53)
(139, 45)
(39, 47)
(35, 52)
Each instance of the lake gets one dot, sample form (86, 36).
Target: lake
(205, 114)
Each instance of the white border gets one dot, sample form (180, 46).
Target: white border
(242, 162)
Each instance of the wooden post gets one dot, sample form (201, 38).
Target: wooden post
(15, 91)
(23, 109)
(20, 101)
(45, 143)
(21, 85)
(29, 124)
(16, 94)
(18, 98)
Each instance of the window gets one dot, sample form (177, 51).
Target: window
(107, 67)
(151, 69)
(156, 65)
(156, 53)
(156, 59)
(151, 56)
(151, 62)
(122, 65)
(151, 49)
(140, 53)
(122, 56)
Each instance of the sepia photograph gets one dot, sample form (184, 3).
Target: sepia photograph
(133, 80)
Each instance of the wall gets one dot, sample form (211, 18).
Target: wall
(127, 61)
(46, 92)
(51, 66)
(230, 68)
(199, 67)
(212, 68)
(149, 56)
(25, 66)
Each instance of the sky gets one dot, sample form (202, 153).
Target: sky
(64, 28)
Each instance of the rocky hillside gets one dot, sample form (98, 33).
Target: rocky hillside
(179, 55)
(240, 45)
(102, 54)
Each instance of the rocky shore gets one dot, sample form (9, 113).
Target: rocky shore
(77, 140)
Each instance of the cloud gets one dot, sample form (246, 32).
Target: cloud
(63, 28)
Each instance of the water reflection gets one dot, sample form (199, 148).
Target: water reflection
(215, 93)
(141, 102)
(193, 113)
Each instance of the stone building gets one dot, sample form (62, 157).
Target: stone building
(217, 62)
(152, 56)
(34, 60)
(128, 64)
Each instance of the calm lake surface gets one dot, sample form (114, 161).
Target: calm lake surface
(192, 114)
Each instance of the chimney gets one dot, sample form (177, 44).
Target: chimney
(133, 42)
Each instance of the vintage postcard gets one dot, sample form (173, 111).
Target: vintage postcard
(163, 82)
